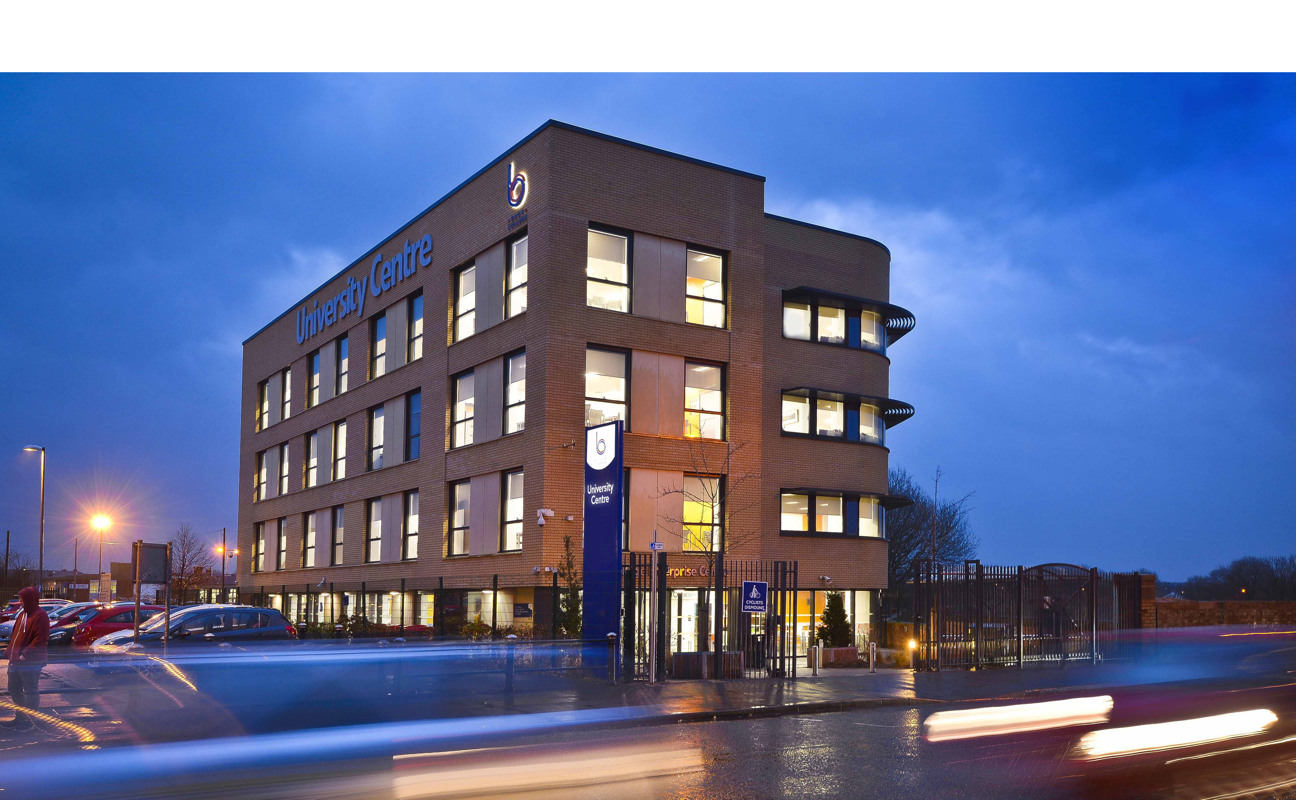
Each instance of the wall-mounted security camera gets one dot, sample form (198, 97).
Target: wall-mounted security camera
(541, 513)
(825, 579)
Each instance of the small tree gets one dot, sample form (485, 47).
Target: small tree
(191, 559)
(569, 604)
(834, 628)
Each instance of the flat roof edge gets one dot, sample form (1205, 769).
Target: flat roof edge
(552, 123)
(813, 226)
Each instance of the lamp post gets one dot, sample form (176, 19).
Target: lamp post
(224, 554)
(101, 523)
(40, 568)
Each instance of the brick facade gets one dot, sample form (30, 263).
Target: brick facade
(577, 179)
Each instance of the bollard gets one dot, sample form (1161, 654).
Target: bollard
(872, 656)
(510, 640)
(611, 640)
(814, 660)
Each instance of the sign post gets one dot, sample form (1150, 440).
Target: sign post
(152, 564)
(601, 609)
(656, 548)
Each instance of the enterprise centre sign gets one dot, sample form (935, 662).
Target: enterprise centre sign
(383, 275)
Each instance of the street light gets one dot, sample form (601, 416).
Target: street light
(40, 573)
(224, 554)
(101, 523)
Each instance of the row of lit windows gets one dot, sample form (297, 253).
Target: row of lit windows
(342, 363)
(514, 289)
(511, 484)
(332, 522)
(829, 513)
(836, 419)
(818, 322)
(463, 401)
(608, 276)
(607, 397)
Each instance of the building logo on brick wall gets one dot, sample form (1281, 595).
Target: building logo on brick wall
(517, 187)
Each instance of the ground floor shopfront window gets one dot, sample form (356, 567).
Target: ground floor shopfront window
(685, 606)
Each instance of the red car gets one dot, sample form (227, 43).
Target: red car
(112, 617)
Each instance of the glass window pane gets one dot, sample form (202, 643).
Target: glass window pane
(463, 410)
(870, 424)
(796, 320)
(796, 414)
(597, 413)
(467, 293)
(705, 276)
(832, 325)
(606, 295)
(605, 375)
(518, 272)
(703, 426)
(872, 334)
(516, 379)
(704, 312)
(795, 513)
(828, 514)
(607, 257)
(831, 419)
(702, 388)
(870, 520)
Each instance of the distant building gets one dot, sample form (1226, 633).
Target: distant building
(576, 279)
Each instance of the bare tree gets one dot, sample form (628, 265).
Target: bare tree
(719, 494)
(21, 569)
(191, 560)
(928, 527)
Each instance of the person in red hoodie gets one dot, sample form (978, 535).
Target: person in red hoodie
(27, 654)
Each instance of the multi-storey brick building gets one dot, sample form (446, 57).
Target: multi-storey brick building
(577, 278)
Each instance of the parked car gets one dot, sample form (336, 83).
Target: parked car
(110, 619)
(58, 615)
(15, 605)
(68, 618)
(213, 623)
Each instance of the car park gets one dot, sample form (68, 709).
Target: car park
(110, 619)
(10, 611)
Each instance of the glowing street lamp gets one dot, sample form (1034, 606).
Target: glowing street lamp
(101, 523)
(40, 574)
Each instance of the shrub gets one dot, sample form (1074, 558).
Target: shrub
(834, 629)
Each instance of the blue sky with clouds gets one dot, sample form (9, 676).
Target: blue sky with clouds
(1102, 268)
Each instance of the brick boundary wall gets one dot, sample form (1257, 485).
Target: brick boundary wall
(1194, 613)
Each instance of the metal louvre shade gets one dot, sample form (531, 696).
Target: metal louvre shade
(888, 501)
(893, 411)
(897, 321)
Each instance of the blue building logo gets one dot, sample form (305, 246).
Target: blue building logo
(517, 187)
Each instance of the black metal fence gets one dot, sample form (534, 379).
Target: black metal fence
(749, 644)
(975, 615)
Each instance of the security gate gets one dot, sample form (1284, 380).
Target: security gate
(752, 644)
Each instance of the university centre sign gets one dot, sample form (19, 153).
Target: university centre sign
(383, 275)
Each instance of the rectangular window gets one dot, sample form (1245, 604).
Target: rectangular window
(373, 531)
(414, 348)
(704, 290)
(463, 407)
(703, 401)
(339, 450)
(308, 541)
(795, 512)
(287, 394)
(413, 424)
(410, 531)
(701, 514)
(607, 272)
(465, 306)
(796, 414)
(515, 393)
(830, 418)
(378, 347)
(515, 282)
(312, 458)
(343, 364)
(460, 497)
(870, 424)
(259, 478)
(872, 332)
(376, 436)
(283, 468)
(313, 383)
(605, 386)
(263, 405)
(796, 321)
(832, 325)
(828, 514)
(511, 530)
(258, 547)
(870, 517)
(339, 531)
(281, 551)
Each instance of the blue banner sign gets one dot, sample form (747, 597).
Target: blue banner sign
(755, 597)
(601, 609)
